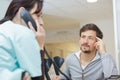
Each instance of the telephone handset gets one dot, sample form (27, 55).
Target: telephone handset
(27, 17)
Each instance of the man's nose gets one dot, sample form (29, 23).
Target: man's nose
(86, 40)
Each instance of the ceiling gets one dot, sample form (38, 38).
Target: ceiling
(64, 12)
(63, 18)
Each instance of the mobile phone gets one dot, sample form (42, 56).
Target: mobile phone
(27, 17)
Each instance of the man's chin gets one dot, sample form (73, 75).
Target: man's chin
(87, 52)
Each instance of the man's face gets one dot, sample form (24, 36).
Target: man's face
(87, 41)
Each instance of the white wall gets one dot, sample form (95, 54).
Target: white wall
(116, 5)
(3, 7)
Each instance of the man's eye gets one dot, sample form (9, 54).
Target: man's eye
(82, 36)
(91, 38)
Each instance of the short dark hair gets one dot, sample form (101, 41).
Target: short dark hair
(16, 4)
(93, 27)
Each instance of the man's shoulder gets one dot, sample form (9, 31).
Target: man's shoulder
(71, 56)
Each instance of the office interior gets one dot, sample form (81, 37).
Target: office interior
(63, 19)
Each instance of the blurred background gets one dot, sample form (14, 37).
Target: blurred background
(63, 19)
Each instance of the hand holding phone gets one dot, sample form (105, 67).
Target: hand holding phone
(40, 32)
(27, 17)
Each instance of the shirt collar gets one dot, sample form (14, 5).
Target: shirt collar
(95, 58)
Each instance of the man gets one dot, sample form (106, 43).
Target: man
(21, 47)
(92, 62)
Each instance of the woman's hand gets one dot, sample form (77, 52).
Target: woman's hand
(40, 34)
(56, 77)
(26, 76)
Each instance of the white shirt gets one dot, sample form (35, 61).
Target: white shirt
(78, 56)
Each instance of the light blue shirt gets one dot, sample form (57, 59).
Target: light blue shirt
(19, 51)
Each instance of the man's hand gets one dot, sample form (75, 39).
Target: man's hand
(100, 46)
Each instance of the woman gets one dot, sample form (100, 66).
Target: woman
(20, 46)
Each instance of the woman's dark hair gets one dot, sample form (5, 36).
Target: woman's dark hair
(93, 27)
(16, 4)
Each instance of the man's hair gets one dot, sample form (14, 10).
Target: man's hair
(16, 4)
(93, 27)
